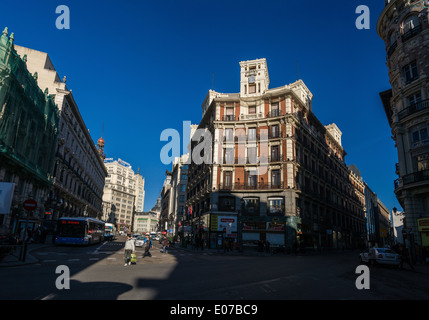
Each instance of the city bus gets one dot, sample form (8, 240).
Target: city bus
(79, 231)
(109, 233)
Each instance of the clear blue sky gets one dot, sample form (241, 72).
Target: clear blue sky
(145, 66)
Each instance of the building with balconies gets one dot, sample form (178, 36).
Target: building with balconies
(78, 172)
(272, 171)
(403, 26)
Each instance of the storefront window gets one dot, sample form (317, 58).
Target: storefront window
(276, 206)
(226, 203)
(250, 226)
(251, 206)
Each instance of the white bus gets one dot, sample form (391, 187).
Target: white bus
(109, 232)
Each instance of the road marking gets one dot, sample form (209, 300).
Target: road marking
(73, 260)
(49, 261)
(94, 259)
(49, 296)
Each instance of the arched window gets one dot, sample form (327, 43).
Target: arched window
(411, 27)
(412, 22)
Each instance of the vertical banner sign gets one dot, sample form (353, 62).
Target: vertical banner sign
(6, 195)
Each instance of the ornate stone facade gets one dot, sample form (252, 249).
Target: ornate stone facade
(276, 174)
(403, 26)
(28, 133)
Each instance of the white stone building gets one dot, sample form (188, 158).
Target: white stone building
(140, 192)
(120, 193)
(145, 222)
(179, 179)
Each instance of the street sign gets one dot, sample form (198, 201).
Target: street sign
(30, 205)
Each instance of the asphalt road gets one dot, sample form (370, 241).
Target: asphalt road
(98, 273)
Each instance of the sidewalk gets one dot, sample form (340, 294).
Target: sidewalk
(12, 260)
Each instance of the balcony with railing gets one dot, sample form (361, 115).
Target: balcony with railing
(253, 160)
(416, 107)
(275, 134)
(415, 177)
(411, 33)
(252, 186)
(420, 143)
(274, 113)
(252, 116)
(229, 117)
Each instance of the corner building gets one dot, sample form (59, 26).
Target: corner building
(403, 26)
(276, 173)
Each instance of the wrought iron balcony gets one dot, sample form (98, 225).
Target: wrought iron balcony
(419, 176)
(421, 105)
(250, 186)
(275, 134)
(254, 160)
(252, 116)
(274, 113)
(411, 33)
(228, 118)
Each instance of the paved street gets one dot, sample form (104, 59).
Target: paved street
(97, 272)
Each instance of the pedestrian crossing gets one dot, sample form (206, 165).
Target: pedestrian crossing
(98, 254)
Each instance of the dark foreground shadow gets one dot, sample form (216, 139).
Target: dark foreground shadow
(91, 291)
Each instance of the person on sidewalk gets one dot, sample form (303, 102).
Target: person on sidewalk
(147, 246)
(130, 248)
(164, 245)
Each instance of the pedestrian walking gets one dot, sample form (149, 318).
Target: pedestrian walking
(147, 246)
(129, 249)
(164, 245)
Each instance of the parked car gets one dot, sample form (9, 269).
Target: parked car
(380, 256)
(140, 241)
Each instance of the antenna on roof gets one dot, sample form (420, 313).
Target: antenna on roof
(212, 80)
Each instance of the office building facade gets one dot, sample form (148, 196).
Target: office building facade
(274, 173)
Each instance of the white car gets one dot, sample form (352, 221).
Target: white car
(380, 256)
(140, 241)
